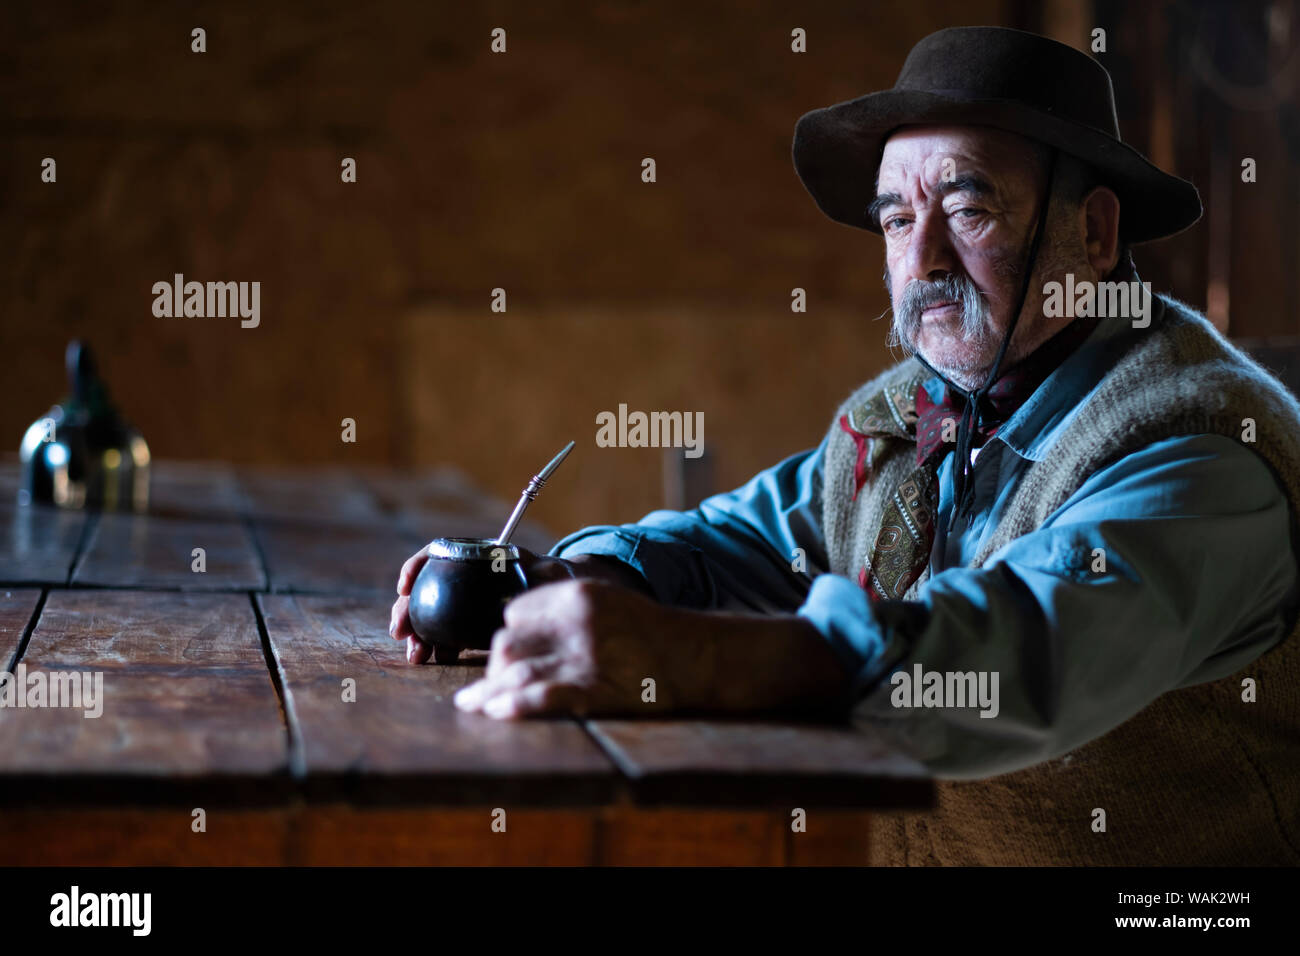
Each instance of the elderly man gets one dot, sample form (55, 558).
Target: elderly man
(1089, 517)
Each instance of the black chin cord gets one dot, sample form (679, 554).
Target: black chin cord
(963, 485)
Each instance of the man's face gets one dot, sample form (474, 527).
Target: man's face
(957, 206)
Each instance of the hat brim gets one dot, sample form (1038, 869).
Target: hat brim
(837, 151)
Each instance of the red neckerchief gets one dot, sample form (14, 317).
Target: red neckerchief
(1009, 392)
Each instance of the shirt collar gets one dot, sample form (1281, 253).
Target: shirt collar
(1039, 423)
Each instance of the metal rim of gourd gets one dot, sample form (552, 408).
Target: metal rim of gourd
(480, 549)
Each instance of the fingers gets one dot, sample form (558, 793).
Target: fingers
(511, 646)
(399, 621)
(542, 608)
(417, 652)
(544, 569)
(515, 676)
(511, 677)
(534, 660)
(406, 578)
(536, 698)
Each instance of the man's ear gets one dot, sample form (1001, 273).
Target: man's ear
(1100, 210)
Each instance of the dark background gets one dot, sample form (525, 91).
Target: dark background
(478, 170)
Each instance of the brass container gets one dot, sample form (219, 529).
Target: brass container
(82, 453)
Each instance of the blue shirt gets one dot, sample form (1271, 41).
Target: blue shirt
(1199, 581)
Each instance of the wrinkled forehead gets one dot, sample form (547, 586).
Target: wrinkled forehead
(925, 155)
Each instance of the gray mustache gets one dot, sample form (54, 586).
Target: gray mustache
(919, 294)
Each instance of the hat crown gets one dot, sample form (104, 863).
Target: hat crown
(996, 63)
(1004, 79)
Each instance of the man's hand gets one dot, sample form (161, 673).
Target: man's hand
(538, 569)
(580, 647)
(399, 621)
(586, 647)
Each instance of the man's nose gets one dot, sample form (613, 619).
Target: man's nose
(929, 253)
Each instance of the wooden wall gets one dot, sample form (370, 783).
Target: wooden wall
(478, 171)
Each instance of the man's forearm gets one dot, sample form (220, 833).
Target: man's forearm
(602, 567)
(739, 663)
(746, 664)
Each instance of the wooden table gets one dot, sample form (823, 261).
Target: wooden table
(224, 703)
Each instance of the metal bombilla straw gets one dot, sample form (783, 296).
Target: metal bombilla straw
(530, 493)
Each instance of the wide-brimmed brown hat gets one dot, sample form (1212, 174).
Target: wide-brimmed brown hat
(990, 76)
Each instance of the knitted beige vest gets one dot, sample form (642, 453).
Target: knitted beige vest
(1198, 776)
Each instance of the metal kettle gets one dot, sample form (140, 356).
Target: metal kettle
(83, 454)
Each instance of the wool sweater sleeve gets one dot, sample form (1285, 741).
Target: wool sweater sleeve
(1169, 568)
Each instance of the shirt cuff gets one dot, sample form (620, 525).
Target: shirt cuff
(664, 578)
(841, 611)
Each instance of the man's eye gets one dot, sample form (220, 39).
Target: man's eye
(973, 212)
(892, 220)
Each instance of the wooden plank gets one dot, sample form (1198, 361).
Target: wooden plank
(685, 837)
(427, 525)
(334, 559)
(189, 711)
(441, 502)
(38, 543)
(149, 551)
(131, 836)
(402, 738)
(830, 838)
(433, 490)
(320, 495)
(195, 489)
(760, 763)
(340, 834)
(16, 607)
